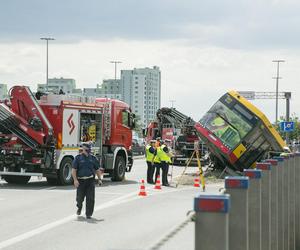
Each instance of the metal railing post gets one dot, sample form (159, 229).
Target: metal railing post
(265, 204)
(254, 208)
(212, 222)
(237, 187)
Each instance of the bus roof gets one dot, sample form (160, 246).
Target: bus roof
(260, 115)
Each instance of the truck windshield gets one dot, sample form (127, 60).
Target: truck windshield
(228, 125)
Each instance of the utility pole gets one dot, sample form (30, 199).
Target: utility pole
(115, 63)
(172, 101)
(47, 39)
(277, 82)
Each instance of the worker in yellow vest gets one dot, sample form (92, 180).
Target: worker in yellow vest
(156, 160)
(150, 150)
(164, 154)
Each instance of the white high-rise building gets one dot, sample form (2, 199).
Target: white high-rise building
(141, 89)
(67, 85)
(3, 91)
(110, 88)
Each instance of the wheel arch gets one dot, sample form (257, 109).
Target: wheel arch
(120, 151)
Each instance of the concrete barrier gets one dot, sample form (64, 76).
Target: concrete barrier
(276, 211)
(286, 196)
(212, 222)
(265, 204)
(297, 200)
(237, 187)
(254, 208)
(264, 213)
(292, 203)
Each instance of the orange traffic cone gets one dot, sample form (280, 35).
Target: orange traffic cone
(196, 182)
(157, 183)
(142, 189)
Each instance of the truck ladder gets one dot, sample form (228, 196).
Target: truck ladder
(107, 120)
(9, 122)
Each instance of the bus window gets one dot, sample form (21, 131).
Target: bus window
(227, 124)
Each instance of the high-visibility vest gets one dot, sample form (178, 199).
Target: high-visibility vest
(156, 158)
(149, 155)
(163, 156)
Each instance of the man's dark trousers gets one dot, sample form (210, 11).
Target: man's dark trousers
(165, 170)
(150, 172)
(157, 170)
(86, 189)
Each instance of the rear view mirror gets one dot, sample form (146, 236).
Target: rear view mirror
(145, 132)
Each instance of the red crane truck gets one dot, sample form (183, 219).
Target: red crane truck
(42, 137)
(177, 127)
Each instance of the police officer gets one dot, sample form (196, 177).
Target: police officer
(156, 160)
(85, 166)
(150, 150)
(164, 155)
(158, 142)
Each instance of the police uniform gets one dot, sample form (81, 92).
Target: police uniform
(150, 151)
(86, 167)
(157, 163)
(165, 159)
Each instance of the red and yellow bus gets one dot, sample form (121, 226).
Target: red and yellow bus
(237, 133)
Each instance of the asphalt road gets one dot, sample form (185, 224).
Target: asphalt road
(39, 216)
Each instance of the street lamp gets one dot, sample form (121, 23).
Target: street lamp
(277, 80)
(115, 63)
(172, 101)
(47, 39)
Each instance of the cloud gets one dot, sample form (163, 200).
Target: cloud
(247, 24)
(204, 48)
(194, 76)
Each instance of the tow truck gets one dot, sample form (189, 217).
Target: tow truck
(180, 129)
(42, 137)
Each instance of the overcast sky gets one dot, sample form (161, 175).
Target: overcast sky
(204, 48)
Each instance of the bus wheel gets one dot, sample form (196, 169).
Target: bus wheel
(119, 169)
(14, 179)
(65, 172)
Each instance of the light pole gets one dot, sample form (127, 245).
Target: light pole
(115, 63)
(47, 39)
(172, 101)
(277, 81)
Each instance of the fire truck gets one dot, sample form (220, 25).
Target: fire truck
(42, 137)
(177, 127)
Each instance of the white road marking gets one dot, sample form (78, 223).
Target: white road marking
(48, 188)
(120, 200)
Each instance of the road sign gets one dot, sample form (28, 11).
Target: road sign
(287, 126)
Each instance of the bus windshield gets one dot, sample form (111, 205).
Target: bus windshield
(227, 124)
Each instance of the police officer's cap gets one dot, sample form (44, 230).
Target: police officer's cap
(167, 140)
(158, 138)
(152, 141)
(86, 145)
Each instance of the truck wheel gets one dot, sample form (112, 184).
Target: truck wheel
(65, 172)
(14, 179)
(119, 169)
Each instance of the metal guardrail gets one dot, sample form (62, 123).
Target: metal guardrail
(260, 211)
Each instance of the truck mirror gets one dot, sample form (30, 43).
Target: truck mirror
(145, 132)
(131, 120)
